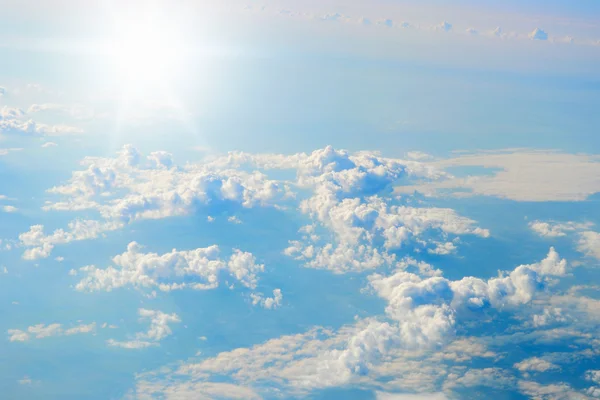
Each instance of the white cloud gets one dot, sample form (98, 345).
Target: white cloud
(419, 156)
(386, 22)
(49, 144)
(535, 364)
(538, 34)
(9, 209)
(444, 26)
(41, 245)
(554, 391)
(234, 220)
(77, 111)
(521, 175)
(4, 152)
(401, 396)
(197, 269)
(158, 330)
(332, 17)
(156, 188)
(593, 375)
(267, 302)
(41, 331)
(552, 229)
(589, 244)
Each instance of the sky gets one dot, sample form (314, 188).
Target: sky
(388, 200)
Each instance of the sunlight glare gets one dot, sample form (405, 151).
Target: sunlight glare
(147, 52)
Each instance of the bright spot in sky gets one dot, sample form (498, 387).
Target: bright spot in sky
(147, 52)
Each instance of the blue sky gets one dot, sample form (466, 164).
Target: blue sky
(285, 200)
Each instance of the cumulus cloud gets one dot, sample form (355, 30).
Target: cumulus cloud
(41, 245)
(589, 244)
(593, 375)
(403, 396)
(552, 229)
(234, 220)
(41, 331)
(538, 34)
(267, 302)
(158, 330)
(155, 188)
(9, 209)
(197, 269)
(444, 26)
(535, 364)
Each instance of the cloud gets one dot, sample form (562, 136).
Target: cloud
(158, 330)
(10, 209)
(444, 26)
(41, 331)
(2, 91)
(49, 144)
(535, 364)
(234, 220)
(268, 302)
(41, 245)
(555, 229)
(386, 22)
(25, 381)
(520, 175)
(4, 152)
(77, 112)
(538, 34)
(130, 187)
(332, 17)
(12, 121)
(401, 396)
(555, 391)
(593, 375)
(197, 269)
(589, 244)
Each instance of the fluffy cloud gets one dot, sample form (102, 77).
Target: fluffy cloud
(555, 391)
(444, 26)
(128, 188)
(158, 330)
(416, 335)
(538, 34)
(593, 375)
(535, 364)
(268, 302)
(589, 244)
(41, 245)
(12, 121)
(41, 331)
(399, 396)
(197, 269)
(556, 229)
(346, 201)
(427, 308)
